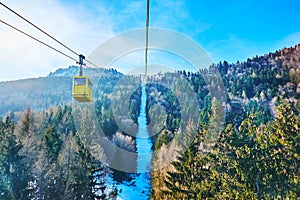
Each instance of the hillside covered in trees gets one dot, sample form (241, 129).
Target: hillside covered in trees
(43, 92)
(44, 153)
(257, 154)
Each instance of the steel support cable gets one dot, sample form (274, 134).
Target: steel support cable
(43, 43)
(92, 63)
(35, 26)
(50, 36)
(147, 36)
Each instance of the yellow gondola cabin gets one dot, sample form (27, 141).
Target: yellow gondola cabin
(82, 89)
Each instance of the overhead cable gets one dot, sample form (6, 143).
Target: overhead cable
(38, 28)
(43, 43)
(147, 35)
(50, 36)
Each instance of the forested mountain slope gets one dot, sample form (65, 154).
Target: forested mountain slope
(45, 149)
(43, 152)
(44, 92)
(257, 154)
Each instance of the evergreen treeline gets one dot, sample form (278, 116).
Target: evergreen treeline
(43, 156)
(44, 92)
(257, 155)
(55, 153)
(247, 162)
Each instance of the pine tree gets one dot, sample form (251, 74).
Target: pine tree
(215, 125)
(15, 173)
(83, 174)
(261, 162)
(193, 174)
(99, 186)
(51, 142)
(83, 186)
(27, 134)
(281, 141)
(68, 160)
(242, 161)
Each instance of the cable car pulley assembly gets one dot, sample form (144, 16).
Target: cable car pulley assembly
(82, 86)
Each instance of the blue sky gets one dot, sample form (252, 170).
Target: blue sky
(227, 29)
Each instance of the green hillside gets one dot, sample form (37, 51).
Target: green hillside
(257, 153)
(47, 149)
(44, 92)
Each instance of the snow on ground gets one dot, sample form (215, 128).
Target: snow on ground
(140, 185)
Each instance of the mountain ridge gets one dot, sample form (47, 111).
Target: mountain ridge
(56, 88)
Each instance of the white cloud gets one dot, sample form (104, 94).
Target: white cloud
(177, 15)
(81, 26)
(74, 25)
(234, 48)
(289, 41)
(169, 14)
(158, 61)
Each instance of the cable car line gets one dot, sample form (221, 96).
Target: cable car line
(35, 26)
(82, 86)
(147, 36)
(43, 43)
(47, 45)
(38, 28)
(92, 63)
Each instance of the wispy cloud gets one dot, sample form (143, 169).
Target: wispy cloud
(234, 48)
(290, 40)
(75, 26)
(221, 27)
(81, 26)
(177, 15)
